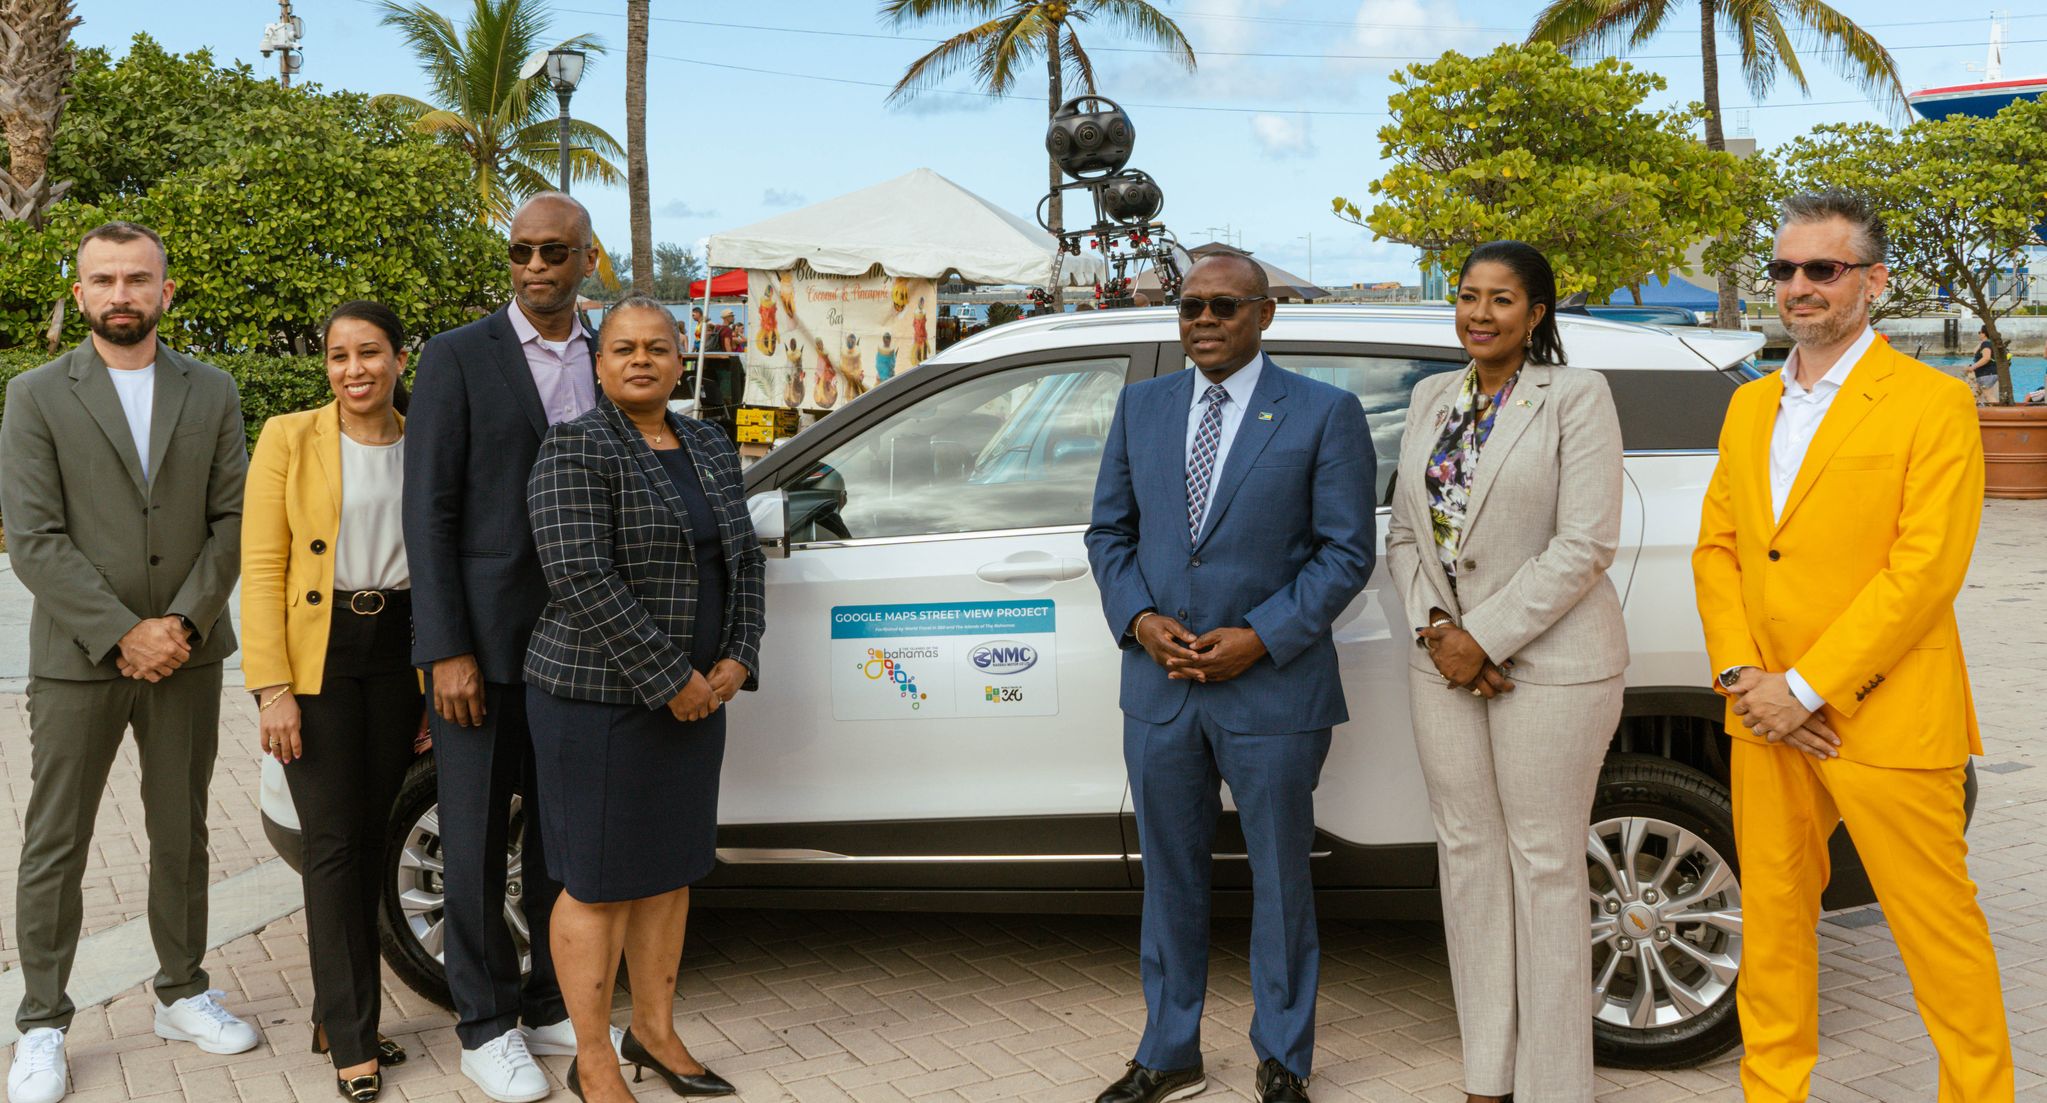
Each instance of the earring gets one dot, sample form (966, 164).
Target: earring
(1528, 342)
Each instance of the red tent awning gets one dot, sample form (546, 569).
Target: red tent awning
(722, 286)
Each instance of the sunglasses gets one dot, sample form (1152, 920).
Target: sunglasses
(1223, 307)
(1818, 271)
(554, 252)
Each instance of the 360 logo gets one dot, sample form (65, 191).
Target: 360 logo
(885, 665)
(1004, 657)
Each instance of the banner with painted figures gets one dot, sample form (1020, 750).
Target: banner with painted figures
(818, 342)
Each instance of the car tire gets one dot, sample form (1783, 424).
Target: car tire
(408, 861)
(1661, 854)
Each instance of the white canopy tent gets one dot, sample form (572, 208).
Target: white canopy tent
(918, 225)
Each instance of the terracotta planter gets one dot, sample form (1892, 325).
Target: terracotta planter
(2014, 451)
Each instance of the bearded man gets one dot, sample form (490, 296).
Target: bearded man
(121, 466)
(1835, 535)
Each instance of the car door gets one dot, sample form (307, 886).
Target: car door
(942, 710)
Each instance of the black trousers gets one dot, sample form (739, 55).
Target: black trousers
(357, 734)
(480, 770)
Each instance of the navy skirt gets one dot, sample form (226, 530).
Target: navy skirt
(628, 795)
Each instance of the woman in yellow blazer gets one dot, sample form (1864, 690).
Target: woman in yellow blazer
(327, 638)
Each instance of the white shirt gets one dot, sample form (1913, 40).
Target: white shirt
(137, 390)
(1799, 414)
(1240, 386)
(369, 550)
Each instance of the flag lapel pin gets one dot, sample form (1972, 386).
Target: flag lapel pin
(1264, 416)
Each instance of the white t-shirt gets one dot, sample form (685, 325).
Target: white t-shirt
(369, 550)
(137, 390)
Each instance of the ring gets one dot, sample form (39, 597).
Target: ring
(1476, 693)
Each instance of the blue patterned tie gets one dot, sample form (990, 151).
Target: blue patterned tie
(1201, 461)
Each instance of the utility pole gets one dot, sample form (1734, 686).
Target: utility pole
(283, 39)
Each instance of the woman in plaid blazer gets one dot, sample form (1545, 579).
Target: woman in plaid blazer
(653, 623)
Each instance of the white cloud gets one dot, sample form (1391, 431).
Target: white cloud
(776, 197)
(676, 208)
(1282, 135)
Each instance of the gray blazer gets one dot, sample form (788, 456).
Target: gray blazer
(1540, 532)
(100, 549)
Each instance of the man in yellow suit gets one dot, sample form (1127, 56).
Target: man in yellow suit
(1835, 535)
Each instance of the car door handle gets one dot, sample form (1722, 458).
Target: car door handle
(1033, 570)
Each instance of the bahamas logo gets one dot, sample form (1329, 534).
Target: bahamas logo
(885, 665)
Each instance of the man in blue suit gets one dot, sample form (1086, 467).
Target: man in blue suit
(1233, 522)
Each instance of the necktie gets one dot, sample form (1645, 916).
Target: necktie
(1201, 461)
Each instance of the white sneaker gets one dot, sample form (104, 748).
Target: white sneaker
(504, 1069)
(202, 1021)
(559, 1040)
(39, 1074)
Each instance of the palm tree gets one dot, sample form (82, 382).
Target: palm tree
(505, 125)
(35, 66)
(1762, 29)
(642, 204)
(1014, 33)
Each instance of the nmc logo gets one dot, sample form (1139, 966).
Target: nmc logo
(1004, 657)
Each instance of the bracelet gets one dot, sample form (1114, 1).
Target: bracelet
(1441, 621)
(1139, 622)
(264, 706)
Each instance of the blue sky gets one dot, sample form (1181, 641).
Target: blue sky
(1280, 116)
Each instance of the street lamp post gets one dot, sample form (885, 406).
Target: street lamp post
(1311, 256)
(564, 71)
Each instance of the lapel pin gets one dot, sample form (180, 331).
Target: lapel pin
(1263, 416)
(1524, 402)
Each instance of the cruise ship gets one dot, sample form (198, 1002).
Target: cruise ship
(1982, 98)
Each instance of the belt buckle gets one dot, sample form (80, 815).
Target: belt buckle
(361, 607)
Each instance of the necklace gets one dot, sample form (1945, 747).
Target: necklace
(655, 439)
(355, 432)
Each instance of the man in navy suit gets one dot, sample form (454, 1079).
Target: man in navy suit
(485, 396)
(1233, 522)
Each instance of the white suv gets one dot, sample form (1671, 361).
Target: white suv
(938, 728)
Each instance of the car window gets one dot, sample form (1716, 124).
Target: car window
(1382, 384)
(1018, 448)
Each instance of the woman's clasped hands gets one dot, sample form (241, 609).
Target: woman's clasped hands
(1461, 661)
(704, 694)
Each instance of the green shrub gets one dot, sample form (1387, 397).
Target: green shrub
(269, 385)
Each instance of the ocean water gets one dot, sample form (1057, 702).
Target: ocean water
(2027, 372)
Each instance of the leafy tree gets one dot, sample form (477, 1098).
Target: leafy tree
(674, 268)
(275, 204)
(504, 126)
(1761, 30)
(1737, 256)
(1015, 33)
(1522, 144)
(1954, 197)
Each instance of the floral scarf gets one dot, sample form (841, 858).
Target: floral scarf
(1454, 461)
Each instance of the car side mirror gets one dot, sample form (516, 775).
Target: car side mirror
(770, 513)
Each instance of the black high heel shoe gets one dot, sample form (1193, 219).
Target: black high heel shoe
(704, 1083)
(388, 1052)
(360, 1089)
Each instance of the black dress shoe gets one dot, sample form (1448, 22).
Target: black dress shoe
(1143, 1085)
(1277, 1085)
(703, 1083)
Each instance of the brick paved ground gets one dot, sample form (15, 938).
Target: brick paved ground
(878, 1007)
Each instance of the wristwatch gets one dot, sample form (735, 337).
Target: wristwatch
(1730, 676)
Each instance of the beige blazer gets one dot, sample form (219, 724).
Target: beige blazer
(1540, 532)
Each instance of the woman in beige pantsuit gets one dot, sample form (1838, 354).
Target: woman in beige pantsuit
(1506, 516)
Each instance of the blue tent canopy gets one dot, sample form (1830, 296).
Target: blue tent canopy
(1673, 290)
